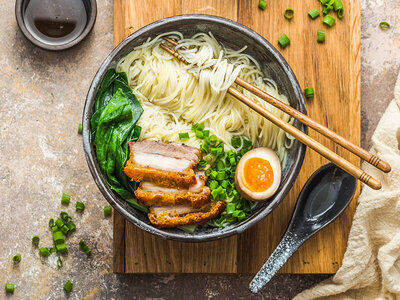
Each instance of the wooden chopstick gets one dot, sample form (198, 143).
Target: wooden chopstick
(357, 150)
(298, 134)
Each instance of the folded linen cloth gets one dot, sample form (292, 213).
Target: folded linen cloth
(371, 263)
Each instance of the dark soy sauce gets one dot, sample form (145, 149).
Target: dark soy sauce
(55, 22)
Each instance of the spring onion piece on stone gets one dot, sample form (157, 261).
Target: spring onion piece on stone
(80, 129)
(53, 249)
(68, 286)
(320, 36)
(17, 258)
(284, 41)
(384, 25)
(51, 222)
(65, 216)
(54, 228)
(64, 229)
(62, 248)
(59, 262)
(80, 206)
(58, 238)
(314, 13)
(10, 288)
(309, 92)
(44, 251)
(65, 198)
(71, 226)
(184, 136)
(289, 13)
(262, 4)
(107, 210)
(59, 223)
(84, 247)
(35, 239)
(328, 20)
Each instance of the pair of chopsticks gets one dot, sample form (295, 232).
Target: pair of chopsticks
(299, 135)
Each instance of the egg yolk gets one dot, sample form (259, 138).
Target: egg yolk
(257, 174)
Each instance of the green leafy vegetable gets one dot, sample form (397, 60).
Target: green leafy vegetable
(113, 125)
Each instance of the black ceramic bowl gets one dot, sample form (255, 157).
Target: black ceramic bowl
(235, 36)
(90, 7)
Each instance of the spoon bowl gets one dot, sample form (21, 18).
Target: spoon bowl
(323, 198)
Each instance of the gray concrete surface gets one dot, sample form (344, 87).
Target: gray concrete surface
(41, 99)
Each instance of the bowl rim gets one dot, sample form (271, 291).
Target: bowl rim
(88, 28)
(91, 156)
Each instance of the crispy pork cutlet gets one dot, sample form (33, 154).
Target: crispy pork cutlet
(164, 164)
(178, 215)
(197, 195)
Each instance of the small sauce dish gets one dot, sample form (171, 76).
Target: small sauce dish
(55, 24)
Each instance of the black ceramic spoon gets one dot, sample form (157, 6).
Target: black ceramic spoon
(323, 198)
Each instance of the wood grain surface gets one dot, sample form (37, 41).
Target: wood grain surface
(332, 68)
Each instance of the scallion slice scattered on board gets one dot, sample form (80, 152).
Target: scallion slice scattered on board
(289, 13)
(314, 13)
(328, 20)
(262, 4)
(320, 36)
(284, 41)
(338, 7)
(309, 92)
(384, 25)
(80, 129)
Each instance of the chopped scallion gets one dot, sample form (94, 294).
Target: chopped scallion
(309, 92)
(59, 262)
(44, 251)
(84, 247)
(320, 36)
(199, 134)
(338, 7)
(314, 13)
(59, 223)
(79, 206)
(107, 211)
(64, 229)
(80, 129)
(289, 13)
(284, 41)
(17, 258)
(68, 286)
(184, 136)
(58, 238)
(328, 20)
(9, 288)
(54, 228)
(262, 4)
(51, 222)
(71, 226)
(35, 239)
(62, 248)
(65, 216)
(384, 25)
(65, 198)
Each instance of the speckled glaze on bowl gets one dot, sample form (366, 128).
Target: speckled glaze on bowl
(232, 35)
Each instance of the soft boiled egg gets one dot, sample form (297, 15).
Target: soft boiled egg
(258, 174)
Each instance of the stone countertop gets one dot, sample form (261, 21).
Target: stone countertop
(41, 156)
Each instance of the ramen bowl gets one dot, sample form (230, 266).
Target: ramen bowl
(235, 36)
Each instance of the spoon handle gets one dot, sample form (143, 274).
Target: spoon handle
(285, 249)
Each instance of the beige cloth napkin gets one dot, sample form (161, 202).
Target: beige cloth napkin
(371, 264)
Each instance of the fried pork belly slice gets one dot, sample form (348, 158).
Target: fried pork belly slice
(163, 164)
(197, 195)
(178, 215)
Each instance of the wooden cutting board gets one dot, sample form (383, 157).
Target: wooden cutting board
(332, 68)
